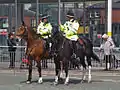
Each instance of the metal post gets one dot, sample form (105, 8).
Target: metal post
(16, 22)
(84, 16)
(22, 12)
(105, 20)
(21, 8)
(10, 18)
(59, 16)
(63, 17)
(109, 26)
(37, 12)
(76, 6)
(89, 24)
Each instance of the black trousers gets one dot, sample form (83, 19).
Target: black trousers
(107, 59)
(47, 44)
(12, 59)
(44, 61)
(74, 46)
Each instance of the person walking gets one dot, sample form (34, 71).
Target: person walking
(107, 46)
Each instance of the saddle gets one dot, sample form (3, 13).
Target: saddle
(81, 42)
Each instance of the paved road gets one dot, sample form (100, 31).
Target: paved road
(101, 80)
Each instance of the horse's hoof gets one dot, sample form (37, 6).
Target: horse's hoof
(28, 82)
(55, 83)
(82, 81)
(40, 82)
(66, 83)
(89, 81)
(60, 79)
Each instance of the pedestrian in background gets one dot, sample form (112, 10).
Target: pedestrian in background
(107, 46)
(11, 43)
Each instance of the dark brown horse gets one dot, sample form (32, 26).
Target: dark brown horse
(64, 52)
(35, 49)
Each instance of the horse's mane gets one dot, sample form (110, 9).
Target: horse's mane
(34, 34)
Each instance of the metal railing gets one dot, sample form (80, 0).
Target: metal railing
(49, 63)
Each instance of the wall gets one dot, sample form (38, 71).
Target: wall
(115, 16)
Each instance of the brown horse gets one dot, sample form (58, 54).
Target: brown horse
(35, 49)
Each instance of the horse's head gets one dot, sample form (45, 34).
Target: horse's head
(57, 40)
(21, 32)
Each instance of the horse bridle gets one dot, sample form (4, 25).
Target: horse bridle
(56, 42)
(24, 33)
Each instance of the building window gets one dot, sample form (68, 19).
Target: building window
(97, 14)
(3, 22)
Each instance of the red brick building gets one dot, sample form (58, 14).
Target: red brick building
(98, 19)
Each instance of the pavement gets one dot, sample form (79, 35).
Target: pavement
(14, 79)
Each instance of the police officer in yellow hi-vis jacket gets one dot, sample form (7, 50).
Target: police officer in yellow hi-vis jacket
(45, 29)
(70, 29)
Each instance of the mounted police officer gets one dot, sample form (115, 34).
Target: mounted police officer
(45, 29)
(70, 29)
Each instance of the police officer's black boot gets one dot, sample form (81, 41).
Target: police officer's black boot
(74, 59)
(74, 49)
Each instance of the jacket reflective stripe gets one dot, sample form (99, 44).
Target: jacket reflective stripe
(44, 29)
(70, 29)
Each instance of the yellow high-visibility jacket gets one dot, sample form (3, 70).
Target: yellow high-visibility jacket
(70, 29)
(44, 29)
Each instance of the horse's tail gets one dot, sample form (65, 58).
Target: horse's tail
(95, 57)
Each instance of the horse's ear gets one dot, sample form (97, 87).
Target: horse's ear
(23, 23)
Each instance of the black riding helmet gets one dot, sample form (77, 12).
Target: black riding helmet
(70, 14)
(44, 16)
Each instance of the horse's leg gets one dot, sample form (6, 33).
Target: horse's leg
(82, 57)
(40, 80)
(61, 70)
(89, 69)
(66, 64)
(57, 70)
(83, 75)
(84, 69)
(29, 70)
(89, 74)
